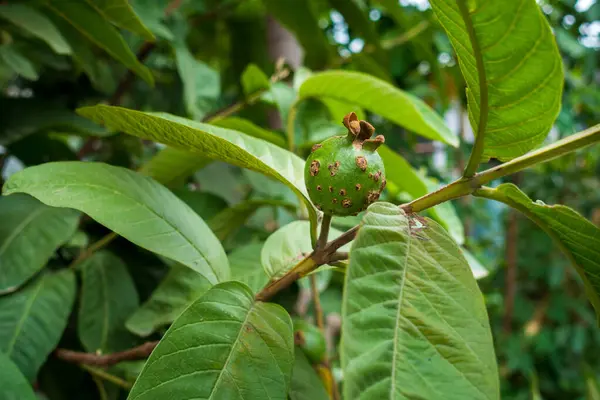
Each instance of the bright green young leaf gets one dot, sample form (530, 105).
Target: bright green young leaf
(414, 321)
(287, 246)
(176, 291)
(171, 166)
(13, 383)
(578, 238)
(246, 266)
(224, 346)
(30, 233)
(306, 384)
(17, 62)
(120, 13)
(108, 298)
(300, 18)
(33, 319)
(201, 83)
(37, 24)
(254, 80)
(132, 205)
(282, 96)
(381, 98)
(209, 141)
(512, 67)
(404, 176)
(93, 26)
(228, 220)
(249, 128)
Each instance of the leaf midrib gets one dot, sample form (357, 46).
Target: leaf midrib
(400, 301)
(21, 227)
(24, 316)
(235, 344)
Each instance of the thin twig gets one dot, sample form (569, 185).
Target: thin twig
(325, 366)
(106, 360)
(100, 373)
(93, 248)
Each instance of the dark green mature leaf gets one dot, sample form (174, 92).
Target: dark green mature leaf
(177, 290)
(93, 26)
(17, 62)
(205, 204)
(120, 13)
(108, 298)
(578, 238)
(228, 220)
(225, 345)
(37, 24)
(13, 383)
(33, 319)
(246, 266)
(381, 98)
(404, 176)
(414, 320)
(254, 80)
(209, 141)
(30, 232)
(132, 205)
(300, 17)
(22, 117)
(512, 67)
(306, 384)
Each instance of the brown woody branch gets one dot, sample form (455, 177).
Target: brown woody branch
(106, 360)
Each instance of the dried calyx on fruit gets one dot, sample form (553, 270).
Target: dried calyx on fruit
(345, 174)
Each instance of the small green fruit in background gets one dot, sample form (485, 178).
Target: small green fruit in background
(310, 339)
(345, 174)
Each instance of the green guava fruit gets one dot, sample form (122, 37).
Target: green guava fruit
(310, 339)
(345, 174)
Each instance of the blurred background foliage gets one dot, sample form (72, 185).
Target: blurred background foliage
(206, 60)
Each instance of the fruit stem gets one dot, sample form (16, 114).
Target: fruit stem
(325, 224)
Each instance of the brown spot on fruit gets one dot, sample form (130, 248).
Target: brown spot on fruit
(346, 203)
(316, 147)
(330, 189)
(373, 196)
(358, 186)
(319, 188)
(377, 176)
(370, 175)
(333, 168)
(314, 167)
(342, 192)
(361, 163)
(334, 200)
